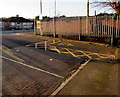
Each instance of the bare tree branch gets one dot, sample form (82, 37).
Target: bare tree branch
(114, 4)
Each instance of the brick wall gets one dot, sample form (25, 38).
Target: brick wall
(74, 26)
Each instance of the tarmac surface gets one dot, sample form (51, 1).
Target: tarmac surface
(31, 71)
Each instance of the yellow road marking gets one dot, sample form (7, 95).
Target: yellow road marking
(73, 51)
(86, 55)
(65, 52)
(55, 49)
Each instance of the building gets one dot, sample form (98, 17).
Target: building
(18, 23)
(1, 24)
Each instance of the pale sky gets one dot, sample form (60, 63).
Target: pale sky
(31, 8)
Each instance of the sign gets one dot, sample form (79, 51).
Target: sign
(38, 24)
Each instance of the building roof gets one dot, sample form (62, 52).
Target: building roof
(17, 19)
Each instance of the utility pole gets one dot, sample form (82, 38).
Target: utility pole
(87, 17)
(87, 8)
(41, 33)
(55, 8)
(54, 20)
(40, 9)
(34, 27)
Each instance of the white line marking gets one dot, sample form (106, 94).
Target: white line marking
(68, 80)
(53, 74)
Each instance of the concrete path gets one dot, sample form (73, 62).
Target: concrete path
(97, 78)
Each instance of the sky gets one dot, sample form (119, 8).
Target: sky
(31, 8)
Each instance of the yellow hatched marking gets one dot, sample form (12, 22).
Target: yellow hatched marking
(83, 55)
(67, 44)
(65, 52)
(86, 55)
(55, 49)
(108, 56)
(71, 53)
(98, 54)
(53, 43)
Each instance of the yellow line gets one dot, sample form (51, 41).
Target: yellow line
(54, 43)
(71, 53)
(83, 55)
(57, 50)
(103, 56)
(86, 55)
(65, 52)
(96, 53)
(99, 55)
(107, 56)
(67, 44)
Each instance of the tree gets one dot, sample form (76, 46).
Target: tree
(112, 4)
(36, 17)
(62, 16)
(105, 14)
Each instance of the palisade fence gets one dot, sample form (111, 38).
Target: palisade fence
(94, 26)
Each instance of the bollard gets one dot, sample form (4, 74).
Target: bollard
(53, 41)
(35, 45)
(45, 45)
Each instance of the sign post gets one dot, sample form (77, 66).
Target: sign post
(38, 23)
